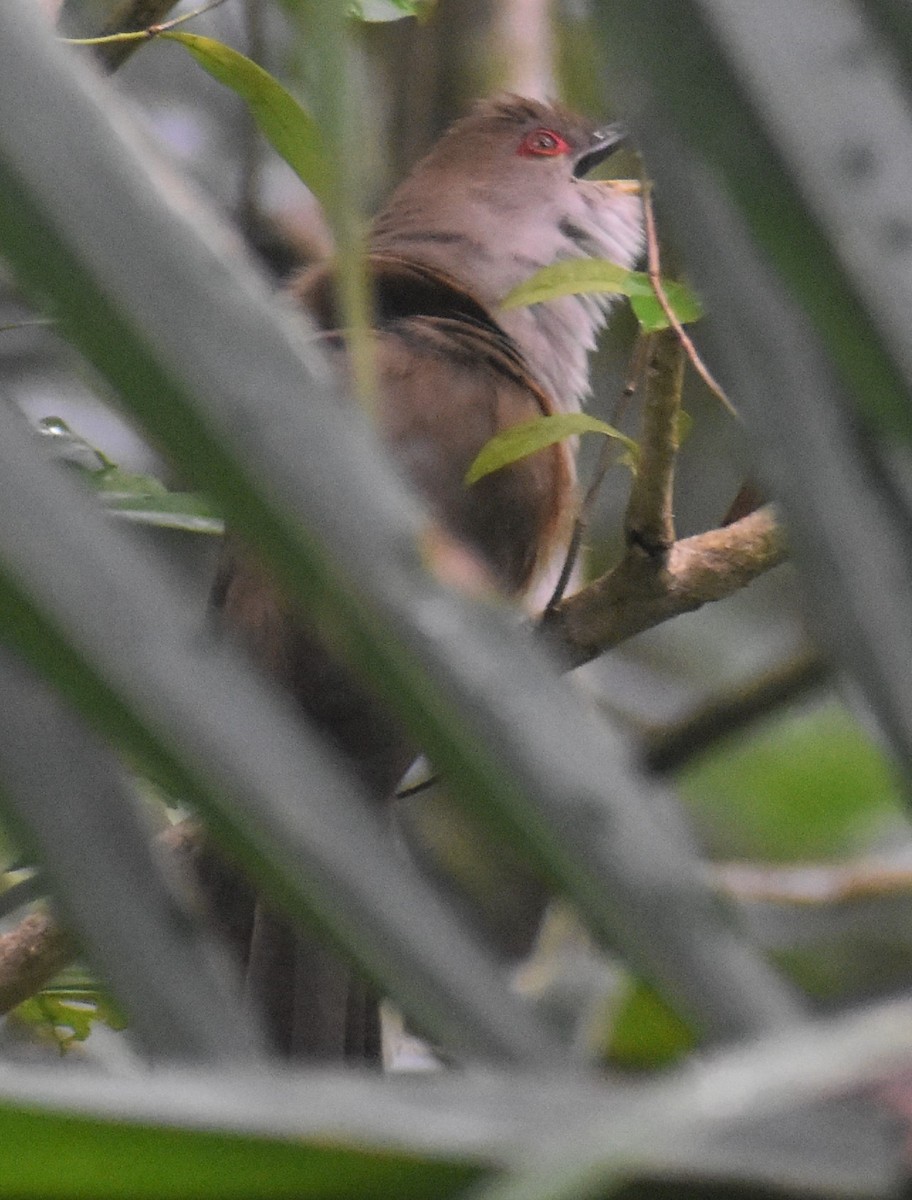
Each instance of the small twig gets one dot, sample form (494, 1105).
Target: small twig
(671, 747)
(655, 278)
(27, 324)
(811, 885)
(124, 41)
(251, 140)
(606, 459)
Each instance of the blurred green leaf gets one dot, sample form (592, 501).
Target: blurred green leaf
(390, 10)
(645, 1033)
(810, 785)
(69, 1155)
(132, 496)
(580, 275)
(288, 128)
(519, 441)
(125, 496)
(68, 1014)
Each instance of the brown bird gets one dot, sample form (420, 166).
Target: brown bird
(500, 195)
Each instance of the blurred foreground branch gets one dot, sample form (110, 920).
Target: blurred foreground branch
(39, 948)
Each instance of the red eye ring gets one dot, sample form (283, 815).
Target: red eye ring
(542, 143)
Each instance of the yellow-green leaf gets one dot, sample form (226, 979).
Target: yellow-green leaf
(650, 314)
(289, 129)
(646, 1034)
(522, 440)
(576, 275)
(390, 10)
(580, 275)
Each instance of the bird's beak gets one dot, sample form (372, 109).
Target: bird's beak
(623, 187)
(604, 142)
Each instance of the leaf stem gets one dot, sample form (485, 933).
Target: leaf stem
(605, 460)
(140, 35)
(655, 278)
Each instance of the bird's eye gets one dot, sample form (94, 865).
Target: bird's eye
(542, 142)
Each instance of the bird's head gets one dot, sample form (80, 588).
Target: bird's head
(503, 193)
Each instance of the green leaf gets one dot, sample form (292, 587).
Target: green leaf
(288, 128)
(581, 275)
(186, 511)
(646, 1034)
(522, 440)
(145, 500)
(85, 1154)
(129, 495)
(573, 276)
(390, 10)
(650, 314)
(68, 1014)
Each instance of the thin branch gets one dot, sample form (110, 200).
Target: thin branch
(638, 593)
(130, 25)
(655, 278)
(669, 748)
(812, 885)
(606, 459)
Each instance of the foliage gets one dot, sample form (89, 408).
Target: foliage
(525, 439)
(516, 746)
(66, 1013)
(126, 494)
(598, 275)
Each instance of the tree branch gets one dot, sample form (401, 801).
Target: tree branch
(659, 578)
(669, 748)
(643, 591)
(30, 956)
(649, 521)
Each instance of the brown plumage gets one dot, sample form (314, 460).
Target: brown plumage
(500, 195)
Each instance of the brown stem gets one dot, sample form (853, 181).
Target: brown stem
(655, 278)
(649, 521)
(30, 956)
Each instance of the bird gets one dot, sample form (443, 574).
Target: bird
(501, 194)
